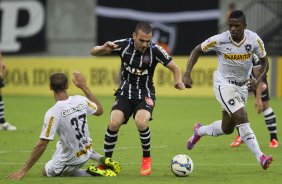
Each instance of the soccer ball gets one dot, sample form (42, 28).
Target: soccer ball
(181, 165)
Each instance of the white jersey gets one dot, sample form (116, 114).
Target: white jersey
(234, 59)
(68, 119)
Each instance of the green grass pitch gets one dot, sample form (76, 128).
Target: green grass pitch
(173, 120)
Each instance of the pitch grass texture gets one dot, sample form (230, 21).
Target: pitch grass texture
(173, 120)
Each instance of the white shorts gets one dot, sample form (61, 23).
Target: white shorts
(231, 97)
(57, 168)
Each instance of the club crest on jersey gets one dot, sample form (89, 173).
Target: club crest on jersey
(231, 101)
(146, 59)
(149, 101)
(248, 47)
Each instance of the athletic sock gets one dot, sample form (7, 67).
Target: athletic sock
(270, 121)
(96, 156)
(213, 129)
(249, 138)
(110, 142)
(145, 137)
(2, 115)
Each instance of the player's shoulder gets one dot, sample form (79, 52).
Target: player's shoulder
(250, 34)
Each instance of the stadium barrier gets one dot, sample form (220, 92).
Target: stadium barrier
(30, 75)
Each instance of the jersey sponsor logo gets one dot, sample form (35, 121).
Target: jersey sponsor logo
(149, 101)
(91, 105)
(222, 43)
(135, 71)
(163, 52)
(206, 48)
(243, 57)
(67, 112)
(84, 151)
(50, 124)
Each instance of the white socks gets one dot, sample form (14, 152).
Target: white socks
(95, 156)
(249, 138)
(213, 129)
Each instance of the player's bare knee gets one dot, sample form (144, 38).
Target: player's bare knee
(141, 123)
(115, 125)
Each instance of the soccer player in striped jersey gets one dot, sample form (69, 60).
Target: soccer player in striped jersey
(136, 93)
(68, 119)
(3, 124)
(262, 105)
(234, 49)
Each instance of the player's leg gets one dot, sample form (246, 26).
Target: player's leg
(249, 137)
(142, 114)
(121, 111)
(214, 129)
(269, 116)
(3, 124)
(270, 120)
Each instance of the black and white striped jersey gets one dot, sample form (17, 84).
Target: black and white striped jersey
(137, 68)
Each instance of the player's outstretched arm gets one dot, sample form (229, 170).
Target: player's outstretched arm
(37, 152)
(107, 48)
(190, 64)
(80, 82)
(178, 84)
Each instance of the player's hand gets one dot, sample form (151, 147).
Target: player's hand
(109, 46)
(252, 84)
(79, 80)
(187, 80)
(179, 85)
(17, 175)
(259, 106)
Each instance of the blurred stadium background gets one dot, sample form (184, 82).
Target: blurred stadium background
(38, 37)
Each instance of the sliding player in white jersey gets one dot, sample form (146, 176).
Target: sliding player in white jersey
(234, 50)
(68, 118)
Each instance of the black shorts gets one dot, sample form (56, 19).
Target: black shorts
(129, 107)
(1, 83)
(265, 93)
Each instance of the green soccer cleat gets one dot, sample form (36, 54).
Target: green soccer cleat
(110, 164)
(94, 171)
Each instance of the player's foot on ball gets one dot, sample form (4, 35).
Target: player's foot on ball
(237, 142)
(110, 164)
(195, 137)
(146, 166)
(273, 143)
(265, 161)
(94, 171)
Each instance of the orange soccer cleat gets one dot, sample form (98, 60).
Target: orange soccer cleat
(237, 142)
(146, 166)
(273, 143)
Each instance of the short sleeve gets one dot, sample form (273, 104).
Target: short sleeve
(50, 126)
(122, 43)
(211, 44)
(161, 55)
(259, 49)
(91, 107)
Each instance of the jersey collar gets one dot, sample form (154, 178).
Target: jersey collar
(237, 44)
